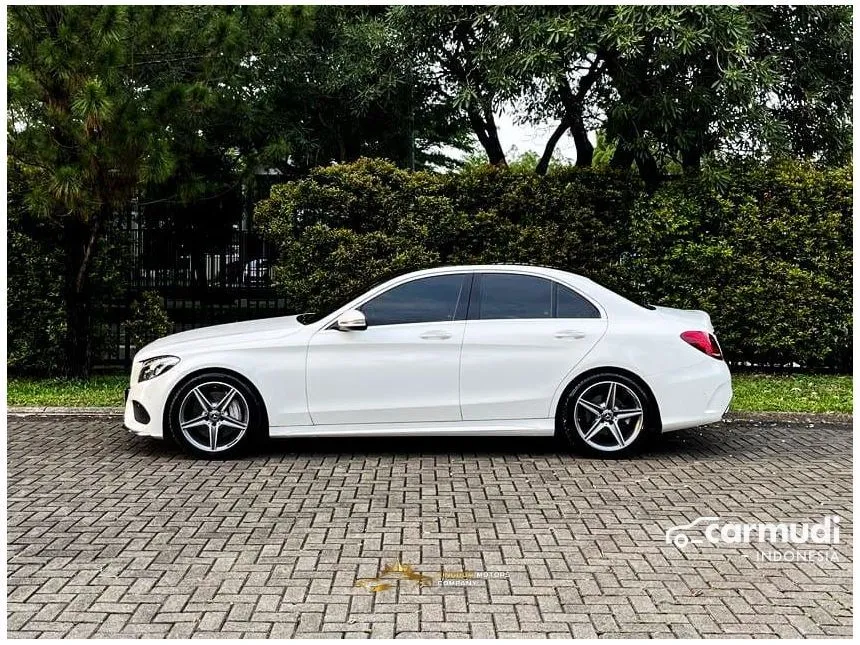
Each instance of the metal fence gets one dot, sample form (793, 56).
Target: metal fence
(204, 280)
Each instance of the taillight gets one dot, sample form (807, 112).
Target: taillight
(704, 342)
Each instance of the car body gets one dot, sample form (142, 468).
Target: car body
(461, 350)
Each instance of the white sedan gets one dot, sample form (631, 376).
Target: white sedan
(464, 350)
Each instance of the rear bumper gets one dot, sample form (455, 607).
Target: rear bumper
(694, 396)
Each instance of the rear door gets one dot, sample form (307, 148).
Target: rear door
(523, 335)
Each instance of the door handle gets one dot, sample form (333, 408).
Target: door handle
(570, 333)
(436, 335)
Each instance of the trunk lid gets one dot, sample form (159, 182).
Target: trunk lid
(697, 320)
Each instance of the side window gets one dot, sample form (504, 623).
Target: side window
(572, 305)
(507, 295)
(432, 299)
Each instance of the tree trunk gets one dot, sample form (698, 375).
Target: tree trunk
(648, 169)
(80, 240)
(584, 149)
(625, 154)
(622, 157)
(691, 161)
(543, 164)
(488, 136)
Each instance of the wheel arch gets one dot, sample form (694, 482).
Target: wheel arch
(224, 370)
(607, 369)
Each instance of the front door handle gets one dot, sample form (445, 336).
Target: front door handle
(436, 335)
(570, 333)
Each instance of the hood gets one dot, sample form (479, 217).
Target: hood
(240, 332)
(697, 320)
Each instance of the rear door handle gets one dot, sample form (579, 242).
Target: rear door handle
(436, 335)
(570, 333)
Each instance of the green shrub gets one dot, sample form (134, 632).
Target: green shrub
(769, 257)
(36, 317)
(352, 225)
(36, 307)
(148, 320)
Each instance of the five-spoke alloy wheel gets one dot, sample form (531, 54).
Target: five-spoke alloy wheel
(605, 414)
(214, 415)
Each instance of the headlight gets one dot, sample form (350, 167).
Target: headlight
(157, 366)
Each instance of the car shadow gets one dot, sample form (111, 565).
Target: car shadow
(715, 441)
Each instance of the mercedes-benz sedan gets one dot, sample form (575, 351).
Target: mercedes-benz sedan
(464, 350)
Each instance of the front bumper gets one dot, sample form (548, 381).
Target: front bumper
(144, 405)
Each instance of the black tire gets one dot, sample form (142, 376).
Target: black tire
(591, 431)
(243, 408)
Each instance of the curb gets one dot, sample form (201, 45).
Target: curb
(788, 417)
(63, 412)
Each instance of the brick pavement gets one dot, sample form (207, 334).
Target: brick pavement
(115, 535)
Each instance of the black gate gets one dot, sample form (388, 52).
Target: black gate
(203, 279)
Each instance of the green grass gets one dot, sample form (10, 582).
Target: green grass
(795, 393)
(753, 393)
(97, 392)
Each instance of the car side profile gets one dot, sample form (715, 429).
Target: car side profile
(464, 350)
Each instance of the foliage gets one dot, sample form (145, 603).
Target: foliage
(148, 320)
(96, 392)
(770, 258)
(35, 316)
(798, 393)
(347, 226)
(111, 105)
(752, 393)
(668, 84)
(36, 311)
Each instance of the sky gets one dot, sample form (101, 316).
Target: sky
(517, 139)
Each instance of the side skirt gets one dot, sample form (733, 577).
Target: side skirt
(494, 428)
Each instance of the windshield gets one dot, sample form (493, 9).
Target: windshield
(313, 316)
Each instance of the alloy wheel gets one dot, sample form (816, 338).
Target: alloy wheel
(608, 416)
(214, 416)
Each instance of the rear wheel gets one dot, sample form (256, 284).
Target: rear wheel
(608, 415)
(214, 415)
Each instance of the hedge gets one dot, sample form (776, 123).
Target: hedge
(769, 255)
(36, 309)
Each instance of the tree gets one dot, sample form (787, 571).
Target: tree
(546, 63)
(670, 86)
(358, 93)
(105, 103)
(82, 136)
(177, 105)
(676, 85)
(449, 44)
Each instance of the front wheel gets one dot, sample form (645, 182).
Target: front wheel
(606, 415)
(214, 415)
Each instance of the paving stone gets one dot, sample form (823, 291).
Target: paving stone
(111, 535)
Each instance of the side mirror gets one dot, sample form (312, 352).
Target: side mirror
(352, 320)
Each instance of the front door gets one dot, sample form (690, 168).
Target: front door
(403, 368)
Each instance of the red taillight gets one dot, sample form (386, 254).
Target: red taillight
(704, 342)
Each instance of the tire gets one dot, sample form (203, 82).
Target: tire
(589, 424)
(215, 415)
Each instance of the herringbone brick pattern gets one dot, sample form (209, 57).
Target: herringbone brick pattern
(113, 535)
